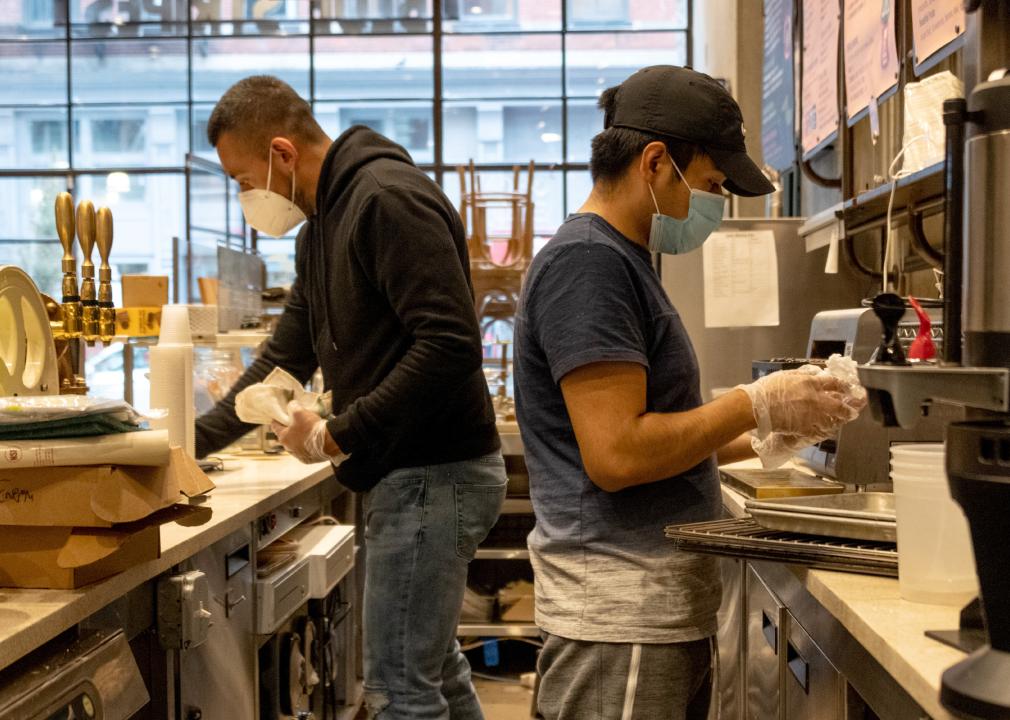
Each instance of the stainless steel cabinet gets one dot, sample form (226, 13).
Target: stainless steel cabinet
(812, 686)
(786, 675)
(218, 679)
(762, 666)
(783, 656)
(731, 639)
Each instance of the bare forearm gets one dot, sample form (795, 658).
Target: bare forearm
(740, 448)
(660, 445)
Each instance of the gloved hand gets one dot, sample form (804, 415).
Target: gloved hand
(307, 437)
(794, 409)
(802, 402)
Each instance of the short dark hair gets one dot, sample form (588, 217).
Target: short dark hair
(616, 148)
(261, 107)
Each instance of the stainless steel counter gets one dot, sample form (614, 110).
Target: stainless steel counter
(890, 629)
(249, 487)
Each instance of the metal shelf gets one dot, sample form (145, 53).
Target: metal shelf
(499, 629)
(511, 441)
(502, 554)
(517, 506)
(926, 184)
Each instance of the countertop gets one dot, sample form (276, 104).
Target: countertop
(249, 487)
(511, 441)
(891, 629)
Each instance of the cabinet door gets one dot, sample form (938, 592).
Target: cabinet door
(218, 678)
(764, 642)
(732, 626)
(813, 687)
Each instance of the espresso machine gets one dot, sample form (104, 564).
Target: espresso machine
(974, 371)
(858, 455)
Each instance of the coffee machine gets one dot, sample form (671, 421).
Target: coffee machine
(858, 455)
(975, 372)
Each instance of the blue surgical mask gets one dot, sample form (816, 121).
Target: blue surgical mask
(675, 237)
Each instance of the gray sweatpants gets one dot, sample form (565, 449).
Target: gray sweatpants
(618, 681)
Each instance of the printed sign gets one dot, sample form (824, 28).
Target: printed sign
(935, 25)
(871, 56)
(778, 106)
(819, 94)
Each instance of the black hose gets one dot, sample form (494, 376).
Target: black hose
(955, 112)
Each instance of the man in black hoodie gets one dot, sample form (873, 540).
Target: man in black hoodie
(382, 302)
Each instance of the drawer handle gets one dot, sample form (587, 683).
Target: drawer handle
(770, 632)
(230, 604)
(799, 667)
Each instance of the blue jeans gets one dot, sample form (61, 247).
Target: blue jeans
(422, 528)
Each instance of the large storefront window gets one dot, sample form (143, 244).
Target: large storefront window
(107, 98)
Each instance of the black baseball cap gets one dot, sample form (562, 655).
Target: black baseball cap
(683, 104)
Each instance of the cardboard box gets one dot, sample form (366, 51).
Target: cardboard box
(98, 496)
(515, 602)
(68, 558)
(145, 290)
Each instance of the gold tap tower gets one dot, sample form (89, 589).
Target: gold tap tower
(90, 315)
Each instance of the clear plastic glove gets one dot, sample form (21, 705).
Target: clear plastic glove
(307, 437)
(797, 408)
(797, 402)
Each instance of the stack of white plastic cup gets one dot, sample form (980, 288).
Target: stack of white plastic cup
(935, 560)
(172, 379)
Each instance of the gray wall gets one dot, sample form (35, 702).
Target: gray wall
(725, 354)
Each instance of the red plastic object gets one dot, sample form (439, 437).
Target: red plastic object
(922, 347)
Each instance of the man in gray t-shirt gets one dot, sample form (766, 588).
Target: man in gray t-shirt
(618, 441)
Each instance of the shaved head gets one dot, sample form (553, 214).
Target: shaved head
(261, 107)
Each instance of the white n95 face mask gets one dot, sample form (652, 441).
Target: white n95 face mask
(269, 212)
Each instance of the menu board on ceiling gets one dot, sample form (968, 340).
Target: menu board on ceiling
(819, 92)
(778, 127)
(936, 24)
(871, 57)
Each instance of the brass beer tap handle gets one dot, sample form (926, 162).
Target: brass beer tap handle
(71, 304)
(65, 229)
(89, 297)
(107, 326)
(104, 239)
(86, 236)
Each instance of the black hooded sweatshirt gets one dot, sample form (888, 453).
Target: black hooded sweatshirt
(382, 302)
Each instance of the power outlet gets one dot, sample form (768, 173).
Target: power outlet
(184, 616)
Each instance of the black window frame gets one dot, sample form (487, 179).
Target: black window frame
(315, 25)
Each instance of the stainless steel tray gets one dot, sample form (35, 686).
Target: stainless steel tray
(861, 516)
(742, 537)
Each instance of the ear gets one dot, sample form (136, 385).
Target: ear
(651, 160)
(284, 151)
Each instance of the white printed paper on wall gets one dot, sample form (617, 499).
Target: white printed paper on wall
(819, 91)
(741, 280)
(935, 24)
(871, 56)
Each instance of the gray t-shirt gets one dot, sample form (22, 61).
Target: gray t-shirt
(603, 568)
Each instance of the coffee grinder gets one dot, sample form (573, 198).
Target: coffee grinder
(974, 373)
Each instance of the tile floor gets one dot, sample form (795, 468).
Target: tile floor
(503, 700)
(500, 700)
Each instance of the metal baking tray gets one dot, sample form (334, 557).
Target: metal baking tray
(742, 537)
(861, 516)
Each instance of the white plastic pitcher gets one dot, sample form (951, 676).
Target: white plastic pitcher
(935, 559)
